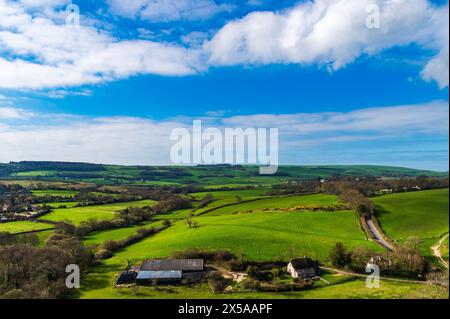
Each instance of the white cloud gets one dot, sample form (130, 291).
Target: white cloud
(11, 113)
(429, 118)
(128, 140)
(334, 33)
(64, 56)
(43, 3)
(167, 10)
(37, 51)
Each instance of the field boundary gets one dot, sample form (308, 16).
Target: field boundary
(33, 231)
(252, 200)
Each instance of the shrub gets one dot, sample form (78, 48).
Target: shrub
(217, 282)
(339, 256)
(103, 254)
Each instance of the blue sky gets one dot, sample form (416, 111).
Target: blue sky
(112, 89)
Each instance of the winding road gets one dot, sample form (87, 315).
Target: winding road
(376, 234)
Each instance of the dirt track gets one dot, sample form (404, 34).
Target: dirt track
(437, 251)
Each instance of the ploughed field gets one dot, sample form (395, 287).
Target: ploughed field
(423, 214)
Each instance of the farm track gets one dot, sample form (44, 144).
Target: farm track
(437, 251)
(350, 273)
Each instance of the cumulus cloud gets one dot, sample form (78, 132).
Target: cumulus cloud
(334, 33)
(129, 140)
(38, 51)
(72, 56)
(167, 10)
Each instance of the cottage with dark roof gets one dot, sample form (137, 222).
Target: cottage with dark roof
(304, 268)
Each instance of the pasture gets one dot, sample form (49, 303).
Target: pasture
(277, 203)
(259, 236)
(76, 215)
(23, 226)
(424, 214)
(99, 237)
(61, 204)
(54, 192)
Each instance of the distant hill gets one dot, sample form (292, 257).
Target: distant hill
(221, 175)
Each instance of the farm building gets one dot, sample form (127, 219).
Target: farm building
(127, 277)
(169, 277)
(184, 265)
(170, 271)
(304, 268)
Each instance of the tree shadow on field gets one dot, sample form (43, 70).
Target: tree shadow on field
(380, 211)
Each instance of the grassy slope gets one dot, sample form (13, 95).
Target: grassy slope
(266, 235)
(424, 214)
(43, 235)
(22, 226)
(281, 202)
(221, 198)
(101, 212)
(117, 234)
(59, 204)
(53, 192)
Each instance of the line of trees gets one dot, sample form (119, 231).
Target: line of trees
(107, 249)
(405, 261)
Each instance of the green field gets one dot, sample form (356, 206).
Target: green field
(207, 176)
(424, 214)
(23, 226)
(278, 203)
(53, 192)
(98, 284)
(43, 236)
(260, 236)
(97, 238)
(221, 198)
(59, 204)
(76, 215)
(46, 173)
